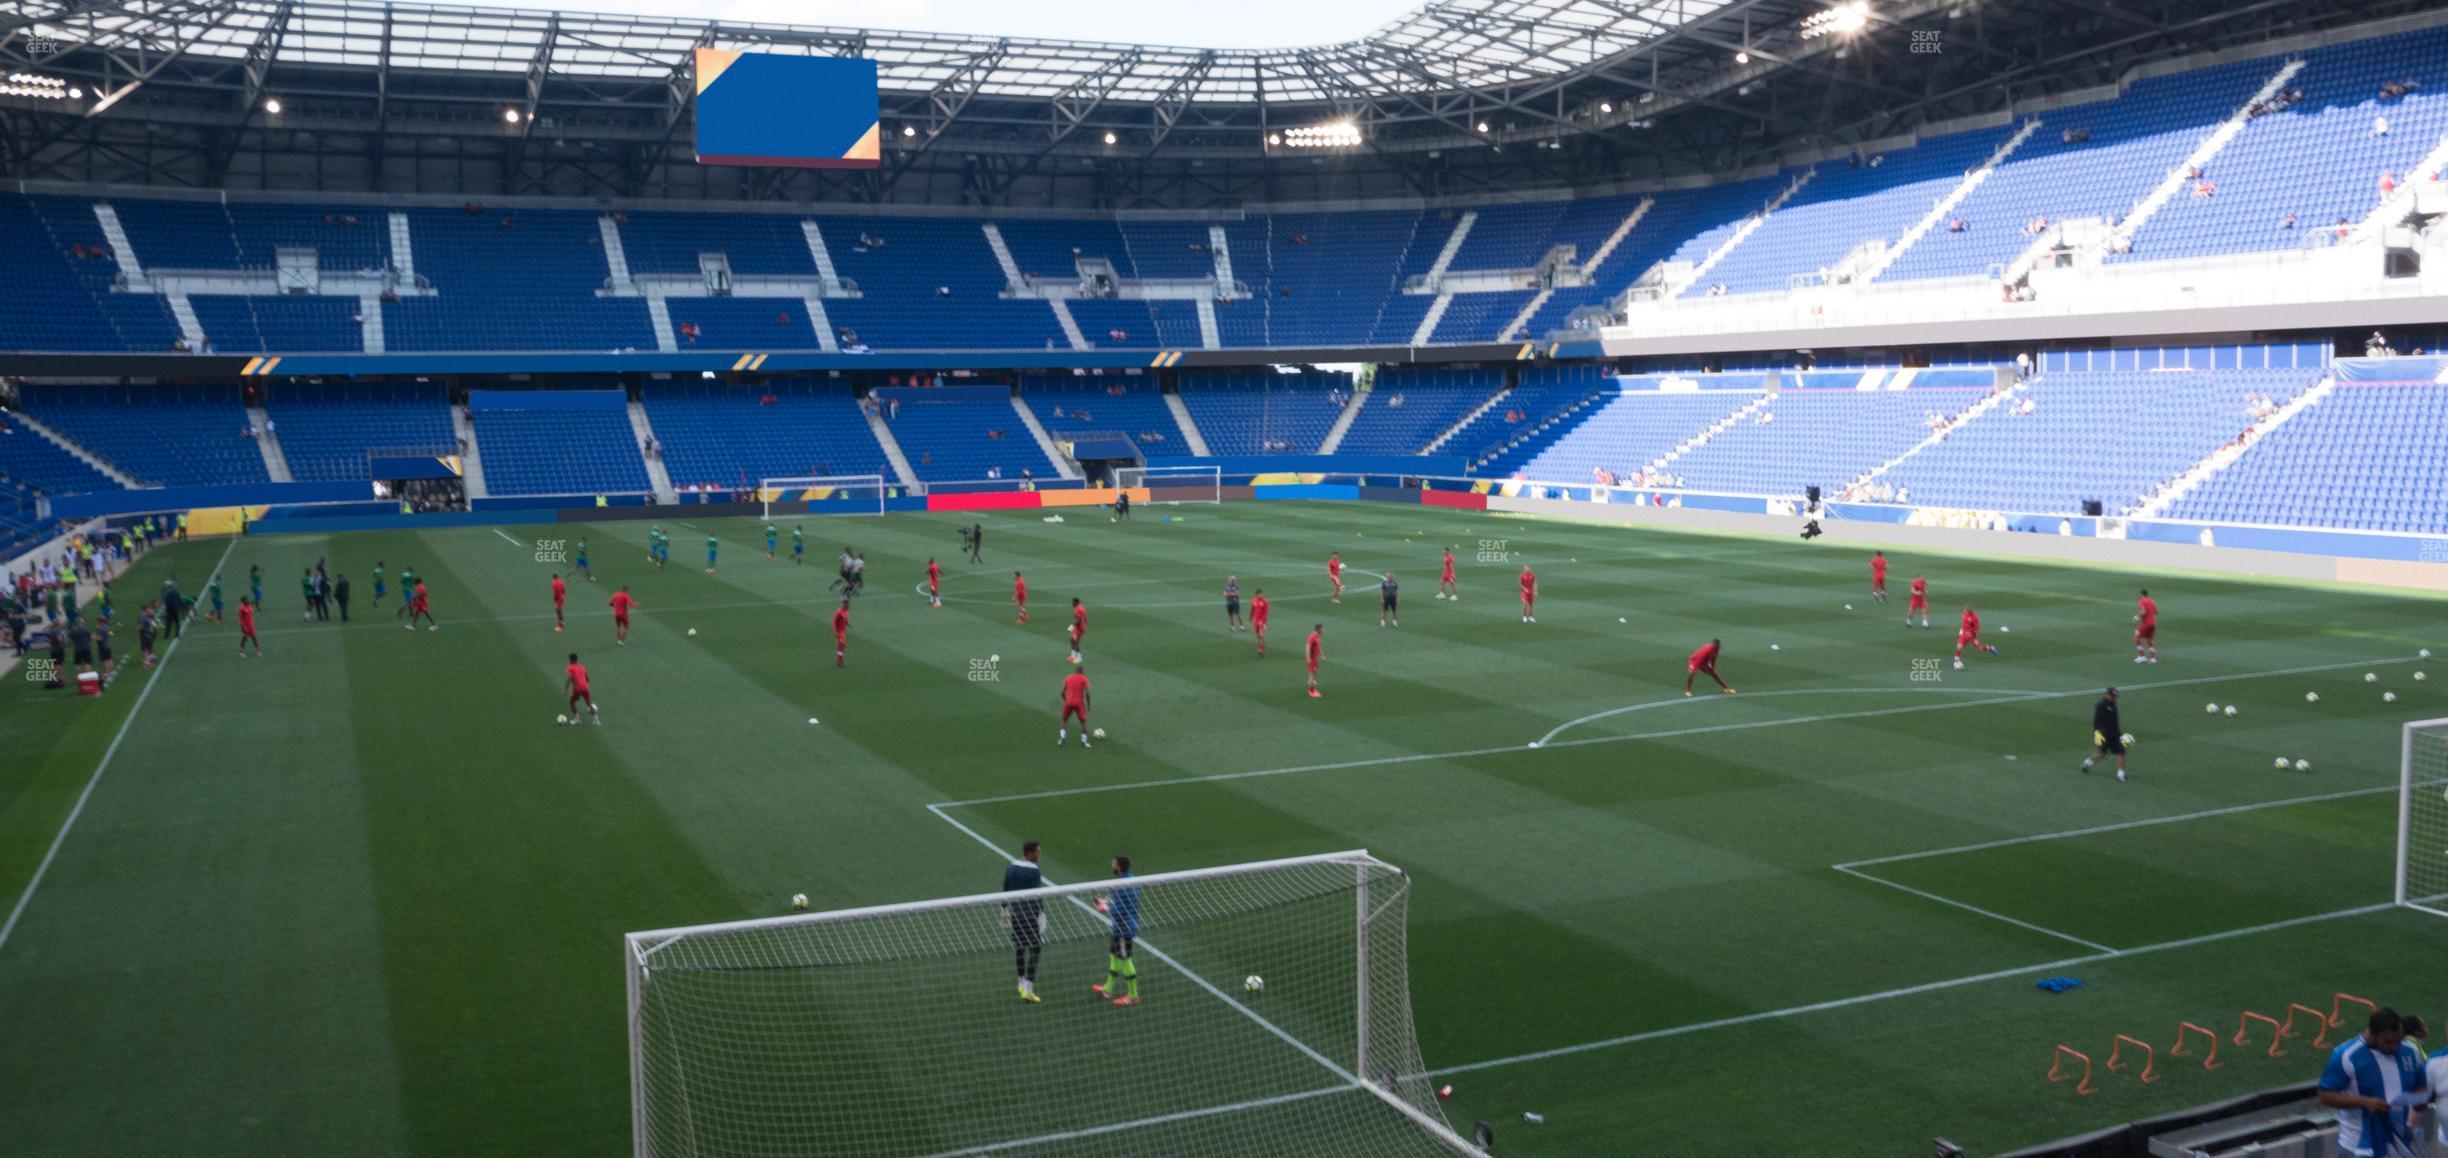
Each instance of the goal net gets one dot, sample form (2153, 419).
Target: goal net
(1174, 484)
(838, 494)
(1275, 1017)
(2422, 818)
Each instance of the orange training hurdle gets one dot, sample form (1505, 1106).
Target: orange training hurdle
(2209, 1062)
(2319, 1040)
(2150, 1057)
(2277, 1032)
(2057, 1062)
(2338, 1003)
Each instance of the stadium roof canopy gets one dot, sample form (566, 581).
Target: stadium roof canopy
(1459, 96)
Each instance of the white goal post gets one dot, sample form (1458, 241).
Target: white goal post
(1180, 484)
(1274, 1017)
(2422, 818)
(832, 494)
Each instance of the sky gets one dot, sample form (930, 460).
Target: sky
(1192, 23)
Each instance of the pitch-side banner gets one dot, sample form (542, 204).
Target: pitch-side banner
(802, 112)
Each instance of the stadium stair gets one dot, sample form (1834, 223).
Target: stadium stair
(1748, 227)
(370, 326)
(1453, 245)
(1438, 443)
(1069, 324)
(1529, 310)
(2395, 208)
(1219, 247)
(471, 462)
(892, 446)
(267, 440)
(70, 445)
(1954, 197)
(1210, 337)
(1970, 413)
(616, 253)
(1428, 321)
(191, 327)
(1749, 409)
(656, 472)
(1063, 463)
(403, 248)
(1189, 429)
(123, 251)
(2176, 178)
(2222, 458)
(658, 312)
(1343, 422)
(823, 322)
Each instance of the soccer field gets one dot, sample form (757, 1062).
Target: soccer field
(361, 896)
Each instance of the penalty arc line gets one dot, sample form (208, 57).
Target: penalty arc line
(44, 867)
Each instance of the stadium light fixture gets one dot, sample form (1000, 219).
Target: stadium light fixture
(36, 85)
(1843, 19)
(1332, 135)
(510, 116)
(1742, 56)
(1274, 138)
(1605, 107)
(1110, 138)
(1483, 126)
(272, 105)
(909, 130)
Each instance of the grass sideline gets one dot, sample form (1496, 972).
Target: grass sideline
(369, 880)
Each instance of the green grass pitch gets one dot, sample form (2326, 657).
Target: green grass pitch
(361, 897)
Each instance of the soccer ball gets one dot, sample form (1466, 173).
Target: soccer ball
(2126, 739)
(560, 719)
(692, 631)
(2212, 709)
(1253, 983)
(799, 900)
(2311, 697)
(1775, 647)
(1848, 607)
(2229, 709)
(1099, 733)
(2371, 677)
(2282, 763)
(2303, 765)
(2005, 629)
(2388, 697)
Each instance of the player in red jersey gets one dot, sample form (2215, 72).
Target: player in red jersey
(1075, 703)
(621, 603)
(841, 635)
(1919, 601)
(1258, 619)
(575, 680)
(2146, 629)
(1317, 649)
(560, 596)
(1529, 586)
(1334, 573)
(1878, 576)
(418, 604)
(1020, 595)
(1703, 663)
(1445, 586)
(934, 583)
(1079, 626)
(246, 627)
(1969, 633)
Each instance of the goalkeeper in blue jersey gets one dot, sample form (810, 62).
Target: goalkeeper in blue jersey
(1024, 918)
(1122, 907)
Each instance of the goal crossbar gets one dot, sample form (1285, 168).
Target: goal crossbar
(644, 944)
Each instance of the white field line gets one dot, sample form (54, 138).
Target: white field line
(1330, 1065)
(506, 537)
(1976, 909)
(2120, 826)
(1422, 757)
(43, 868)
(1906, 991)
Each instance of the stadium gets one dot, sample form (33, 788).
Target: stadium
(1347, 439)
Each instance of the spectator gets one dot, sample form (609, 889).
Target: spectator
(2288, 221)
(943, 291)
(1955, 225)
(783, 318)
(2380, 126)
(2023, 366)
(2388, 183)
(2372, 1081)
